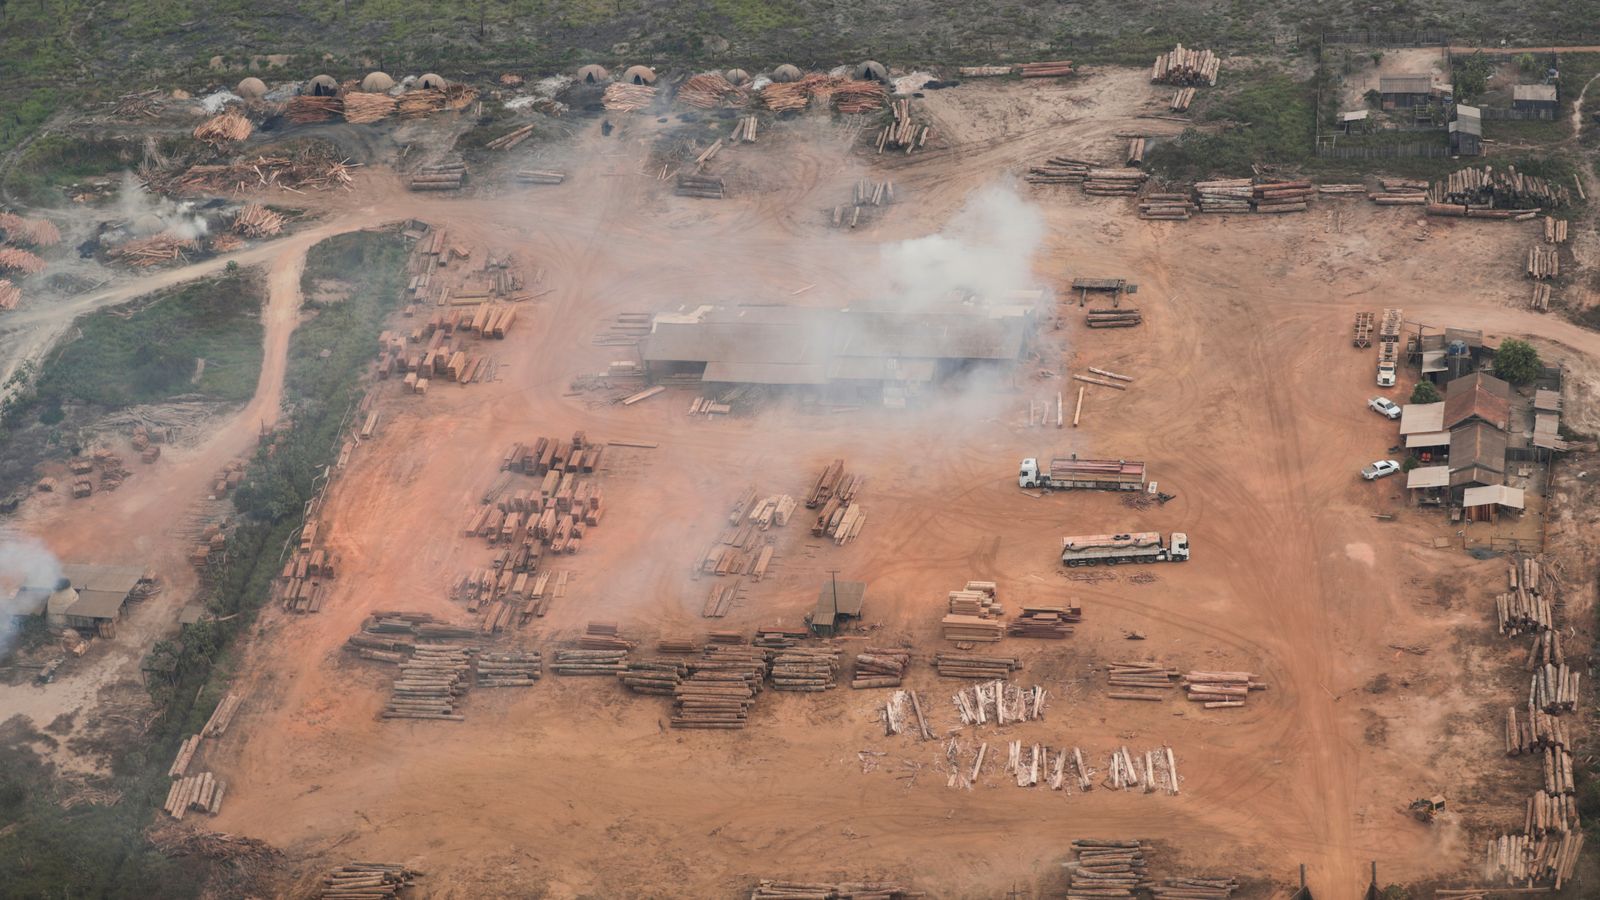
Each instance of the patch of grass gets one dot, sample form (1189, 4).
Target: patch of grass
(1268, 118)
(59, 159)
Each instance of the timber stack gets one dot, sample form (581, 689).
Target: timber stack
(854, 98)
(440, 177)
(1121, 317)
(1137, 679)
(254, 220)
(1221, 690)
(714, 699)
(744, 131)
(217, 725)
(653, 676)
(537, 176)
(1052, 622)
(1520, 859)
(710, 91)
(971, 628)
(197, 793)
(709, 187)
(976, 599)
(1113, 182)
(1060, 170)
(10, 294)
(227, 128)
(366, 881)
(1049, 69)
(509, 669)
(905, 132)
(512, 138)
(840, 518)
(877, 667)
(1555, 688)
(1181, 99)
(1502, 189)
(1525, 608)
(999, 702)
(1194, 888)
(769, 889)
(1400, 192)
(603, 636)
(623, 97)
(1555, 230)
(1182, 66)
(1107, 870)
(1543, 262)
(1281, 196)
(804, 668)
(776, 637)
(1549, 813)
(1136, 148)
(430, 683)
(1171, 207)
(1227, 195)
(590, 662)
(1541, 297)
(955, 665)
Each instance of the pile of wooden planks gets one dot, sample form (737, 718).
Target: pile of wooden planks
(430, 683)
(1060, 170)
(200, 793)
(1123, 317)
(590, 662)
(715, 698)
(804, 668)
(831, 479)
(1520, 859)
(254, 220)
(792, 95)
(773, 510)
(1107, 870)
(1555, 688)
(1046, 69)
(512, 138)
(535, 176)
(10, 294)
(1053, 622)
(1182, 98)
(1000, 702)
(440, 177)
(710, 91)
(1505, 189)
(877, 667)
(1113, 182)
(226, 128)
(744, 130)
(1194, 888)
(777, 889)
(708, 187)
(1170, 207)
(366, 881)
(361, 108)
(307, 110)
(1183, 66)
(971, 628)
(955, 665)
(976, 599)
(905, 132)
(313, 167)
(1282, 196)
(1555, 230)
(1361, 331)
(1137, 678)
(1543, 262)
(519, 668)
(1226, 195)
(624, 97)
(1221, 690)
(1525, 608)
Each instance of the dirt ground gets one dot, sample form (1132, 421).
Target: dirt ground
(1248, 404)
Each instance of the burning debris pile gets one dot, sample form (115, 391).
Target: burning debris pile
(310, 168)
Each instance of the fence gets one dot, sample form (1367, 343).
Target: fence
(1420, 38)
(1495, 114)
(1331, 150)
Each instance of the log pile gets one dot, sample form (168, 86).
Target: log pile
(1113, 182)
(710, 91)
(145, 104)
(877, 667)
(535, 176)
(709, 187)
(1551, 813)
(654, 676)
(744, 131)
(590, 662)
(419, 103)
(34, 232)
(364, 109)
(1182, 66)
(624, 97)
(198, 793)
(1400, 192)
(905, 132)
(187, 749)
(804, 668)
(307, 110)
(1171, 207)
(256, 221)
(1541, 297)
(512, 138)
(1505, 189)
(793, 95)
(142, 252)
(15, 259)
(440, 177)
(1152, 770)
(1182, 98)
(1052, 622)
(227, 128)
(1525, 608)
(715, 699)
(430, 683)
(1226, 195)
(222, 716)
(508, 669)
(1107, 870)
(856, 97)
(1543, 262)
(1136, 148)
(1194, 888)
(1555, 688)
(1060, 170)
(971, 628)
(955, 665)
(999, 702)
(1281, 196)
(1555, 230)
(1519, 859)
(10, 294)
(366, 881)
(1123, 317)
(1048, 69)
(603, 636)
(770, 889)
(1137, 679)
(1221, 690)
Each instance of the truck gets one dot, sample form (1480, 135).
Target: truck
(1389, 345)
(1134, 547)
(1067, 473)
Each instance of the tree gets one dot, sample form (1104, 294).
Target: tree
(1517, 362)
(1425, 392)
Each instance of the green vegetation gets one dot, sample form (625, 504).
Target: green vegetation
(1425, 392)
(1470, 75)
(1266, 119)
(1517, 362)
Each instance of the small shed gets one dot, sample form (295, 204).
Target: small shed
(377, 83)
(1466, 131)
(593, 74)
(786, 72)
(1483, 504)
(431, 82)
(1535, 98)
(837, 603)
(871, 70)
(1356, 120)
(251, 88)
(737, 76)
(321, 86)
(1430, 484)
(1405, 91)
(639, 75)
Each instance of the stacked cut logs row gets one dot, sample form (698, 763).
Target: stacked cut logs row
(654, 676)
(418, 103)
(512, 138)
(186, 753)
(300, 583)
(1555, 230)
(1060, 170)
(822, 490)
(1226, 195)
(905, 132)
(254, 220)
(1555, 688)
(1183, 66)
(1524, 608)
(1543, 262)
(430, 683)
(1000, 702)
(841, 518)
(310, 168)
(151, 251)
(877, 667)
(1182, 98)
(1558, 776)
(590, 662)
(710, 91)
(1399, 192)
(713, 699)
(306, 110)
(1535, 731)
(35, 232)
(1051, 622)
(1113, 182)
(1136, 679)
(873, 193)
(855, 97)
(1551, 813)
(1545, 650)
(364, 109)
(366, 881)
(971, 628)
(955, 665)
(1194, 888)
(1282, 196)
(228, 127)
(792, 95)
(440, 177)
(709, 187)
(625, 97)
(508, 669)
(1106, 870)
(1506, 188)
(773, 889)
(773, 510)
(200, 793)
(1136, 148)
(604, 636)
(1520, 859)
(1541, 297)
(1046, 69)
(804, 669)
(1171, 207)
(1122, 317)
(1221, 690)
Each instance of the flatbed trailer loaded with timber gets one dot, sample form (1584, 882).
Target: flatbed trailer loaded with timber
(1066, 473)
(1132, 547)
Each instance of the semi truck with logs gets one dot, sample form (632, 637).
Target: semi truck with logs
(1134, 547)
(1065, 473)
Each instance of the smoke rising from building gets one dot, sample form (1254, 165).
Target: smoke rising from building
(23, 561)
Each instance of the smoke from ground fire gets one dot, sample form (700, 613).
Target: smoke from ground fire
(988, 249)
(23, 560)
(143, 212)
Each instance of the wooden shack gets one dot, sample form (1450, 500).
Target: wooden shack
(1466, 131)
(837, 603)
(1405, 91)
(1536, 98)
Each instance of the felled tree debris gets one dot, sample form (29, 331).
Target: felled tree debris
(311, 168)
(710, 91)
(364, 108)
(15, 259)
(229, 127)
(151, 251)
(255, 220)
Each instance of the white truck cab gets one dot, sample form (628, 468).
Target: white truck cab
(1386, 375)
(1180, 546)
(1028, 476)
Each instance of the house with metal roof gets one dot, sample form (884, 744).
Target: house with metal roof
(1477, 397)
(1477, 457)
(1405, 91)
(1540, 98)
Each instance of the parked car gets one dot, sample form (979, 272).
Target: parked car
(1384, 406)
(1379, 469)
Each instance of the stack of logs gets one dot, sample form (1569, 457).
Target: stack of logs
(1105, 870)
(201, 793)
(1121, 317)
(441, 177)
(1182, 66)
(1506, 188)
(1053, 622)
(1137, 678)
(603, 636)
(9, 294)
(1221, 690)
(744, 131)
(905, 132)
(1113, 182)
(512, 138)
(999, 701)
(1555, 230)
(954, 665)
(1519, 859)
(1543, 262)
(1227, 195)
(1400, 192)
(708, 187)
(254, 220)
(366, 881)
(1171, 207)
(716, 698)
(1194, 888)
(430, 683)
(624, 97)
(538, 176)
(856, 97)
(1525, 608)
(415, 104)
(590, 662)
(1541, 297)
(1182, 98)
(1549, 813)
(769, 889)
(1060, 170)
(841, 518)
(1047, 69)
(1282, 196)
(509, 669)
(1555, 688)
(804, 669)
(229, 127)
(880, 667)
(141, 252)
(1136, 147)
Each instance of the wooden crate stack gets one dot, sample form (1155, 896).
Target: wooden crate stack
(877, 667)
(804, 668)
(778, 889)
(1183, 66)
(430, 683)
(519, 668)
(1221, 690)
(1052, 622)
(198, 793)
(366, 881)
(1106, 870)
(956, 665)
(999, 701)
(1543, 262)
(1135, 680)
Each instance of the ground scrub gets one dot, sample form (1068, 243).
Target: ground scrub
(1268, 119)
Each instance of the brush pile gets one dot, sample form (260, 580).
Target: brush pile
(1498, 189)
(35, 232)
(14, 259)
(855, 97)
(228, 128)
(367, 881)
(365, 109)
(10, 294)
(255, 220)
(624, 97)
(1185, 67)
(710, 91)
(793, 95)
(145, 104)
(313, 167)
(151, 251)
(309, 110)
(419, 103)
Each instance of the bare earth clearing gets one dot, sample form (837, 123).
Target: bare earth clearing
(1249, 404)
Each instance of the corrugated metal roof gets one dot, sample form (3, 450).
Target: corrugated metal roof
(1480, 445)
(112, 579)
(1428, 439)
(1405, 84)
(844, 598)
(1428, 477)
(1546, 399)
(1463, 111)
(1359, 115)
(1545, 93)
(97, 605)
(1416, 418)
(1494, 494)
(765, 373)
(1477, 395)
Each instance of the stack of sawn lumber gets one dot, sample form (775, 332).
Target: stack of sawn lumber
(1053, 622)
(366, 881)
(976, 599)
(1194, 888)
(880, 667)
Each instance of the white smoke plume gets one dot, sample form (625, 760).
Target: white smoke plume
(23, 561)
(142, 211)
(987, 249)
